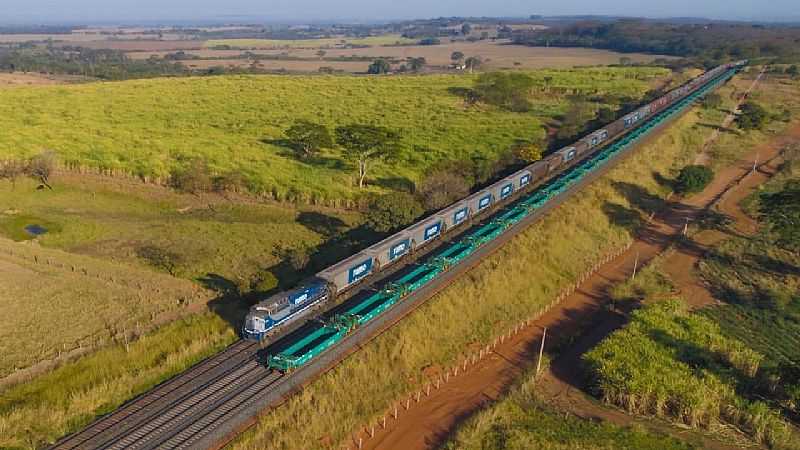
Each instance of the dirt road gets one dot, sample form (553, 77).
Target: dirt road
(431, 421)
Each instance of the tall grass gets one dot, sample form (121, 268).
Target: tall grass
(523, 421)
(62, 401)
(515, 282)
(673, 364)
(149, 128)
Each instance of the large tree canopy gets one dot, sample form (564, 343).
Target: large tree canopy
(366, 143)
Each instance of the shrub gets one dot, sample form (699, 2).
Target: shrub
(506, 90)
(442, 187)
(752, 117)
(392, 211)
(712, 101)
(194, 178)
(379, 67)
(782, 211)
(693, 179)
(160, 258)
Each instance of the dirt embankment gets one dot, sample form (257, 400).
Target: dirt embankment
(430, 422)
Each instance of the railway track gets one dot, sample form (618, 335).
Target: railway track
(168, 396)
(221, 395)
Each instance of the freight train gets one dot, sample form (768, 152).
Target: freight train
(582, 157)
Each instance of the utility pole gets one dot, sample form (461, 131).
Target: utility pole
(541, 352)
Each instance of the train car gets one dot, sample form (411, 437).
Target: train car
(581, 146)
(425, 231)
(349, 272)
(567, 154)
(282, 308)
(616, 127)
(597, 138)
(538, 169)
(390, 250)
(454, 215)
(553, 162)
(480, 201)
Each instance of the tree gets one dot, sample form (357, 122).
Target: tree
(625, 61)
(782, 211)
(392, 211)
(527, 152)
(321, 53)
(457, 57)
(693, 179)
(379, 67)
(194, 178)
(10, 171)
(466, 29)
(298, 258)
(606, 115)
(793, 70)
(366, 143)
(308, 138)
(506, 90)
(441, 187)
(416, 64)
(712, 101)
(232, 181)
(41, 167)
(753, 116)
(473, 63)
(580, 112)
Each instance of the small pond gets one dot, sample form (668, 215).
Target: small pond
(35, 230)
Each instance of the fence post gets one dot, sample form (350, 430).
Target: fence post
(541, 352)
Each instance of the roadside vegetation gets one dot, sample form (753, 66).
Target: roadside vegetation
(521, 420)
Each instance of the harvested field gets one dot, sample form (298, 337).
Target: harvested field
(288, 65)
(143, 45)
(496, 55)
(35, 79)
(55, 302)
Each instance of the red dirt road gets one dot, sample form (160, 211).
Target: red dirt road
(428, 423)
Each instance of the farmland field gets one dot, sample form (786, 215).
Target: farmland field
(498, 55)
(151, 127)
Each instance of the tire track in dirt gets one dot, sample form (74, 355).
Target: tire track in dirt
(429, 423)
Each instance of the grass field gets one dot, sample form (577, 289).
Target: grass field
(117, 221)
(523, 421)
(782, 95)
(56, 302)
(515, 282)
(151, 127)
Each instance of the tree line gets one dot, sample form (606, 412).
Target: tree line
(707, 43)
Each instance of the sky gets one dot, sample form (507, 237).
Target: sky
(131, 11)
